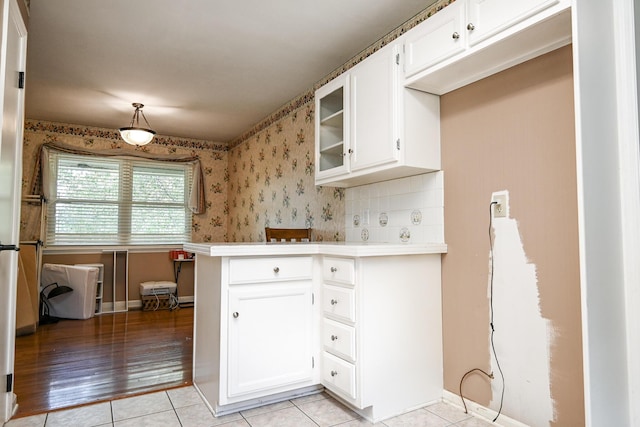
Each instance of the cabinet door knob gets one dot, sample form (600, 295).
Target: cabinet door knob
(235, 314)
(334, 269)
(455, 36)
(334, 337)
(350, 151)
(276, 269)
(470, 26)
(334, 301)
(334, 373)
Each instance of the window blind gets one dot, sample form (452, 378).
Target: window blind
(116, 201)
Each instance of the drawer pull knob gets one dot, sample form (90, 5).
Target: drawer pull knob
(455, 36)
(334, 301)
(471, 27)
(334, 269)
(334, 373)
(235, 314)
(334, 337)
(276, 269)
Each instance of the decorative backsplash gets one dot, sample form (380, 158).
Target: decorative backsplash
(408, 210)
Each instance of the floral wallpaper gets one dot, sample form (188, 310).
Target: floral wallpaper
(271, 183)
(208, 227)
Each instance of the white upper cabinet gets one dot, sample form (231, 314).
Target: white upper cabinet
(441, 37)
(473, 39)
(384, 130)
(373, 112)
(487, 17)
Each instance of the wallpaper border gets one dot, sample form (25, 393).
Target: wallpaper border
(44, 126)
(309, 95)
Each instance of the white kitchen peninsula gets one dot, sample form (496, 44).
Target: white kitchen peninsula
(277, 320)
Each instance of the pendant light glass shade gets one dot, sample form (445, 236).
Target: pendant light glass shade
(134, 134)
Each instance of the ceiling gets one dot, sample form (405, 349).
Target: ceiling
(205, 69)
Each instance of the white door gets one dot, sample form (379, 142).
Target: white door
(12, 62)
(332, 128)
(270, 336)
(438, 38)
(374, 107)
(487, 17)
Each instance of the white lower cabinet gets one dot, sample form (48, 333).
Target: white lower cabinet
(339, 375)
(270, 336)
(339, 339)
(382, 332)
(270, 328)
(254, 331)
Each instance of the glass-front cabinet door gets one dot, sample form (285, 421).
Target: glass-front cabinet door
(332, 127)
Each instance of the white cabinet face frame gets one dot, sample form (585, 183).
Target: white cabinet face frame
(270, 336)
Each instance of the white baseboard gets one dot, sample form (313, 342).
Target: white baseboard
(481, 411)
(107, 307)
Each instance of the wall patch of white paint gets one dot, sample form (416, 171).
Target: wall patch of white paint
(522, 336)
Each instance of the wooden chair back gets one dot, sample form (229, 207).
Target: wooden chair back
(287, 234)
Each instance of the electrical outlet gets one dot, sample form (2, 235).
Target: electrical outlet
(500, 208)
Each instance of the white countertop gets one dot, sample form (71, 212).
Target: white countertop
(323, 248)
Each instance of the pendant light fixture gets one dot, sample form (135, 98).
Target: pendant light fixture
(134, 134)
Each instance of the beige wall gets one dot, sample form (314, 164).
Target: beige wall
(513, 131)
(143, 267)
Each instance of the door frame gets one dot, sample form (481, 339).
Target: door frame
(12, 120)
(608, 167)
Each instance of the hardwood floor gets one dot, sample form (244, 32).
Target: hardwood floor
(76, 362)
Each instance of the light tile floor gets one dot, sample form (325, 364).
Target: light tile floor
(183, 407)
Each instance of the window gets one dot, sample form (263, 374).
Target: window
(117, 201)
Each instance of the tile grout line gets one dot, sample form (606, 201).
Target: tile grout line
(174, 407)
(304, 413)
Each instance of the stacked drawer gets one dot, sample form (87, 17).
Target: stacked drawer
(339, 332)
(269, 269)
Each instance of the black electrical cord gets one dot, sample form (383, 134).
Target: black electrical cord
(462, 380)
(493, 347)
